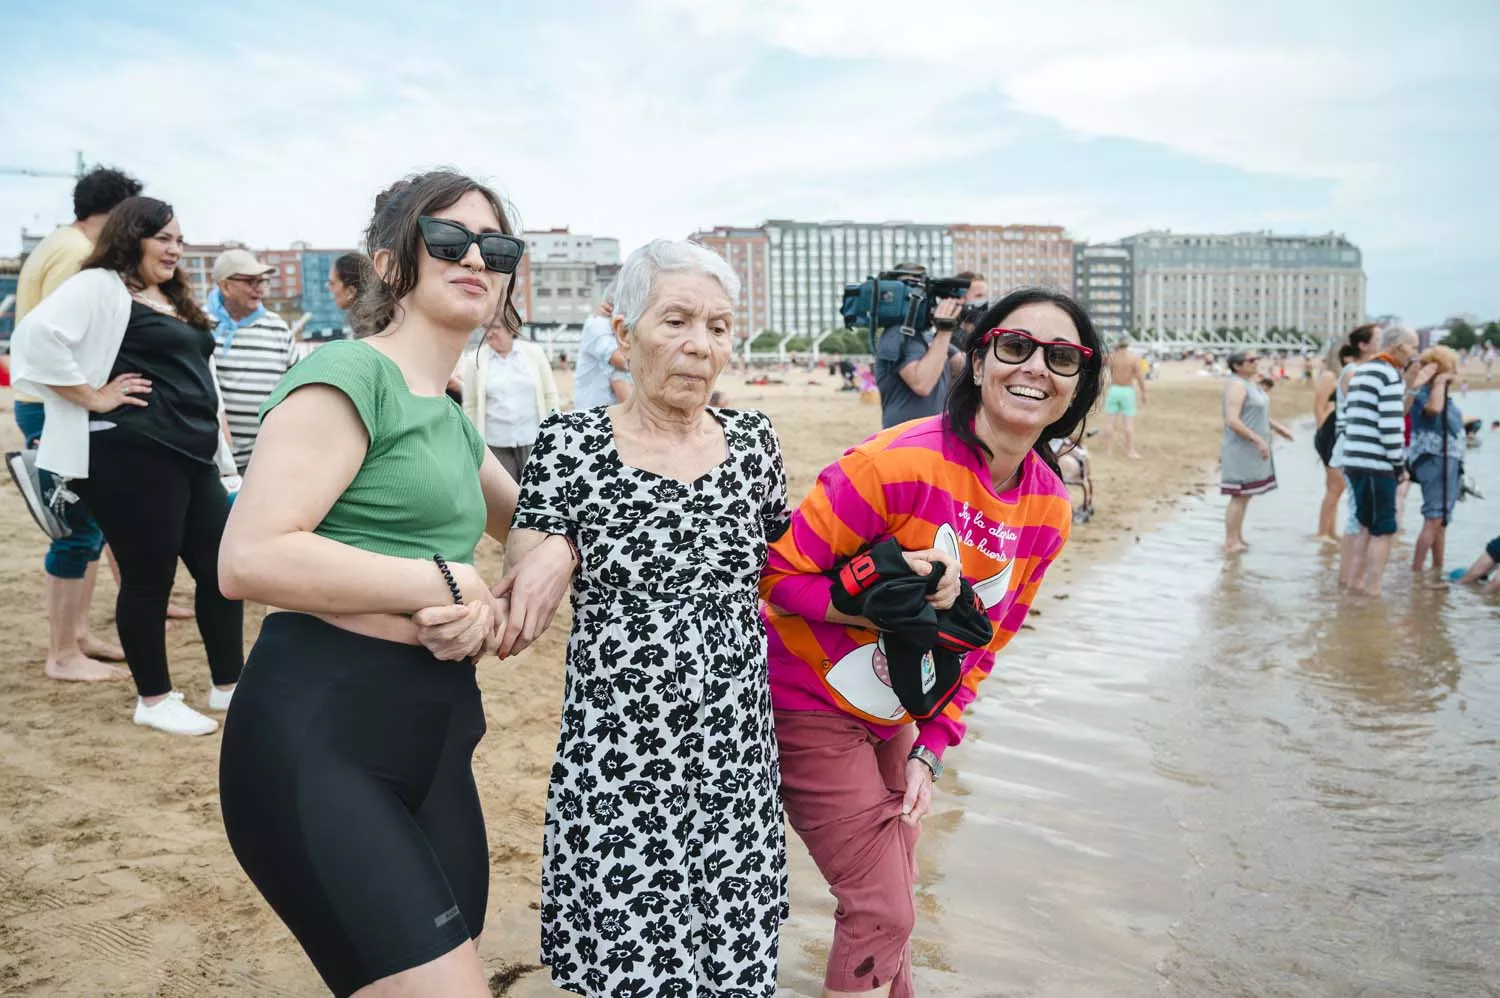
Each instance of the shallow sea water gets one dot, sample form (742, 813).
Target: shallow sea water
(1199, 777)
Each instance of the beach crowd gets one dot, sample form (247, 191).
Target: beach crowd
(737, 661)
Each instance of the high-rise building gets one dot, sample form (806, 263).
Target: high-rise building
(1015, 256)
(1252, 281)
(746, 251)
(1103, 283)
(284, 293)
(808, 264)
(10, 274)
(562, 246)
(563, 275)
(562, 294)
(198, 264)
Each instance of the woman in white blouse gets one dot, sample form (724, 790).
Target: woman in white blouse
(508, 390)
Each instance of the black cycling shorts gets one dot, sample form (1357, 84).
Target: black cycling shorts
(349, 798)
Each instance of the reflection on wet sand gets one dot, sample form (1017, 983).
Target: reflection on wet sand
(1200, 778)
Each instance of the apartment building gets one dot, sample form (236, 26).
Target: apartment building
(1104, 283)
(1015, 256)
(563, 246)
(1254, 281)
(746, 251)
(808, 264)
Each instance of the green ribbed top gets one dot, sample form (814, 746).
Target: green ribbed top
(417, 493)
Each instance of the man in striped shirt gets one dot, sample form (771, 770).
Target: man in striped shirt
(255, 347)
(1374, 454)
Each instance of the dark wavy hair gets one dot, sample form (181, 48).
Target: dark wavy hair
(965, 398)
(394, 227)
(1360, 335)
(119, 249)
(354, 270)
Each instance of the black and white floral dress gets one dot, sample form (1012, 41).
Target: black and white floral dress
(664, 866)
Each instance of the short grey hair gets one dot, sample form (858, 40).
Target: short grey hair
(1393, 335)
(666, 256)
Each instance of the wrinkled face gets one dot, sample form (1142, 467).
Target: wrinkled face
(460, 294)
(243, 292)
(1026, 398)
(160, 254)
(343, 294)
(682, 342)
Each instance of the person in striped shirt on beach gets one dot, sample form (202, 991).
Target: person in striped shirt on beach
(255, 347)
(1374, 455)
(974, 491)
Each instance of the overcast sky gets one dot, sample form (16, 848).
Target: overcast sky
(273, 122)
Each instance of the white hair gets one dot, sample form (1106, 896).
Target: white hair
(666, 256)
(1393, 335)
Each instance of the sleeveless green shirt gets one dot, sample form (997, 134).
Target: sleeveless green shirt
(417, 493)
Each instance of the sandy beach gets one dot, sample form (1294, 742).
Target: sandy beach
(115, 876)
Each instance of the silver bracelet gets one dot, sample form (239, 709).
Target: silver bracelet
(928, 758)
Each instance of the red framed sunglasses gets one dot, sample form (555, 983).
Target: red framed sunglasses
(1015, 346)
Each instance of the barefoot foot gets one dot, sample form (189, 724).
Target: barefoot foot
(175, 612)
(96, 647)
(1236, 548)
(79, 669)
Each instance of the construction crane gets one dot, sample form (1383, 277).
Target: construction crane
(21, 171)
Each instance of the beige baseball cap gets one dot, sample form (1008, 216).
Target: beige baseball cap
(239, 263)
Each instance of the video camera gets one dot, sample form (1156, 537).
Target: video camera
(901, 297)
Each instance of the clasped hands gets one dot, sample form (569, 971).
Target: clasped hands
(503, 619)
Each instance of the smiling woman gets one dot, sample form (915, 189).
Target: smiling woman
(124, 359)
(975, 495)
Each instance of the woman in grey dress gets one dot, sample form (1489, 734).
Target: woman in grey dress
(1245, 453)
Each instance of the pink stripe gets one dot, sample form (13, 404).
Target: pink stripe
(810, 544)
(1016, 617)
(850, 506)
(921, 500)
(805, 595)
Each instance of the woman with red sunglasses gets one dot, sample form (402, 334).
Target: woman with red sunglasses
(972, 492)
(345, 777)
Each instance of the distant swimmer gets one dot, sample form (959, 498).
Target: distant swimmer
(1127, 390)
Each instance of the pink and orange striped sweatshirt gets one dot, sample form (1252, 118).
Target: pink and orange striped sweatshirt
(923, 487)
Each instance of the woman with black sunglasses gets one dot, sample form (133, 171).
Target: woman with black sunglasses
(345, 777)
(973, 492)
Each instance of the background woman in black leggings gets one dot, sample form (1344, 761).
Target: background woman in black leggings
(127, 356)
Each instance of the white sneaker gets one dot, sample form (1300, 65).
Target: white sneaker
(219, 699)
(174, 717)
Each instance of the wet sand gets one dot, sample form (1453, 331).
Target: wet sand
(115, 878)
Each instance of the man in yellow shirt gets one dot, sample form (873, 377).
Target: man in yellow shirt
(72, 564)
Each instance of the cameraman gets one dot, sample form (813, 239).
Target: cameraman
(912, 371)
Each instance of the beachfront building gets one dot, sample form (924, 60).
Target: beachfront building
(1015, 256)
(1104, 283)
(808, 264)
(562, 279)
(746, 251)
(1251, 282)
(10, 273)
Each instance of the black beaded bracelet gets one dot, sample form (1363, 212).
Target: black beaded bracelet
(442, 564)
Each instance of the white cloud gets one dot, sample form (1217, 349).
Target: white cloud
(667, 115)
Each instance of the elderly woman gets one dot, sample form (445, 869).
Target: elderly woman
(1246, 468)
(974, 492)
(1436, 452)
(664, 854)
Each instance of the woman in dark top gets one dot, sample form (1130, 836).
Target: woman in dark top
(125, 356)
